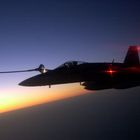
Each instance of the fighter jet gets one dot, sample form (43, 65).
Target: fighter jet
(92, 76)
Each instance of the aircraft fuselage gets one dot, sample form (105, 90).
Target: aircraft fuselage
(111, 74)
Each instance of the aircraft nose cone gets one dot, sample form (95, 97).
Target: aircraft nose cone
(27, 82)
(38, 80)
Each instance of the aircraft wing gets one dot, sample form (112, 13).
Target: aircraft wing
(98, 86)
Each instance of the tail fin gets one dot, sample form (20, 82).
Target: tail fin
(132, 56)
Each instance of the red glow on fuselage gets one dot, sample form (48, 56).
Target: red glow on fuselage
(135, 48)
(133, 69)
(110, 71)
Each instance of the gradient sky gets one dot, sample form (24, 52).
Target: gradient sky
(54, 31)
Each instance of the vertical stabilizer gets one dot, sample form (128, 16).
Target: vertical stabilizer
(132, 56)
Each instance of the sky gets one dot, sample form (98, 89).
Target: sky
(54, 31)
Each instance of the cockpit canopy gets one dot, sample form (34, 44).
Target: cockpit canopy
(70, 64)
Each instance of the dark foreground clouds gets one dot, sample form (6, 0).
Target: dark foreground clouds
(104, 115)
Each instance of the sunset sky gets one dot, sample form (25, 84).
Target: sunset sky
(54, 31)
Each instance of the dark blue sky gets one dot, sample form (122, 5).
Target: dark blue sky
(55, 31)
(51, 32)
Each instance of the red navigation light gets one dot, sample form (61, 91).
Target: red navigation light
(110, 71)
(135, 48)
(139, 48)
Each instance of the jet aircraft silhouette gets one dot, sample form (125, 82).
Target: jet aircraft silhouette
(93, 76)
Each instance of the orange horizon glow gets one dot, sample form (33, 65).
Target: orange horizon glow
(22, 97)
